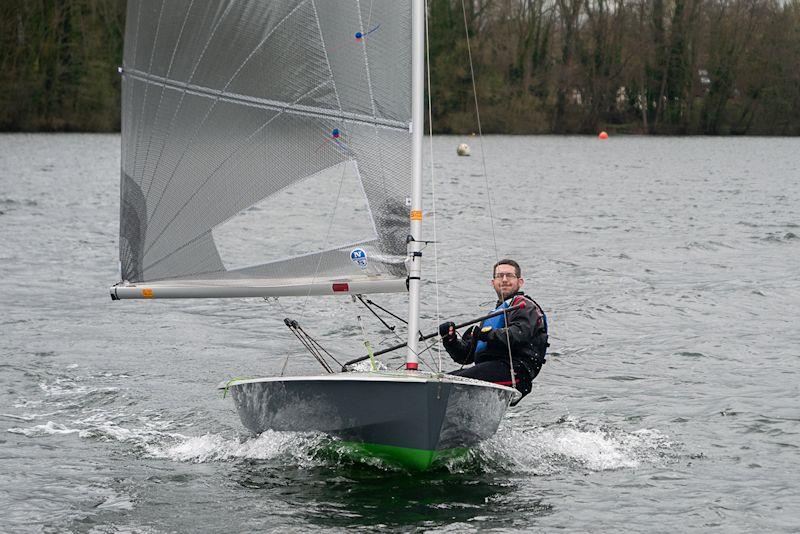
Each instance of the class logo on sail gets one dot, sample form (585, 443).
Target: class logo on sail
(359, 257)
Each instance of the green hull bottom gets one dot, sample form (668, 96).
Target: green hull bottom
(415, 459)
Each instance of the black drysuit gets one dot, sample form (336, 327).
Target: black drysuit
(526, 330)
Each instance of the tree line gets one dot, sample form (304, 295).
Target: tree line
(641, 66)
(58, 64)
(541, 66)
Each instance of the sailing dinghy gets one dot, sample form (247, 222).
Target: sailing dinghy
(275, 149)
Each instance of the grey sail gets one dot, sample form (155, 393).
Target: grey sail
(265, 143)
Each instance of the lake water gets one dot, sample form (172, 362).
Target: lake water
(670, 271)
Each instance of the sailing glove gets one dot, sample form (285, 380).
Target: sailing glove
(470, 333)
(484, 334)
(448, 332)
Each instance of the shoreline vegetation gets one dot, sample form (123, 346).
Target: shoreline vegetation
(663, 67)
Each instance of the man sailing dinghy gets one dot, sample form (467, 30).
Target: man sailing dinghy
(228, 107)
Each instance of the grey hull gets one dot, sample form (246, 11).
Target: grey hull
(411, 410)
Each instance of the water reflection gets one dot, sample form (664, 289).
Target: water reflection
(372, 497)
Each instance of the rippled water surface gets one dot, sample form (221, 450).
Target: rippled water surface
(670, 270)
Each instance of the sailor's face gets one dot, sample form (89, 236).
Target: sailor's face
(505, 281)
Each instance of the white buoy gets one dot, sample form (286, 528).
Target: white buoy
(463, 149)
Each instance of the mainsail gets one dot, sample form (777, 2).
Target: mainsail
(243, 110)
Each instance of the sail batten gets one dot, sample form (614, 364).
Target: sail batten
(228, 106)
(272, 105)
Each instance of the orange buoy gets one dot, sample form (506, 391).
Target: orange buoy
(603, 135)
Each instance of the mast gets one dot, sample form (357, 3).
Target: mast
(417, 129)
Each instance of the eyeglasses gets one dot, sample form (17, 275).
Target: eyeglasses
(510, 276)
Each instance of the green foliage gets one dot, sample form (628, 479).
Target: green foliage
(541, 66)
(59, 60)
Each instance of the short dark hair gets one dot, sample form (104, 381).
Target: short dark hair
(506, 261)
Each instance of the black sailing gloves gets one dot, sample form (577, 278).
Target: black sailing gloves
(484, 334)
(448, 332)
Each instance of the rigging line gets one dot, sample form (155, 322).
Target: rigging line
(421, 359)
(486, 178)
(318, 348)
(433, 185)
(321, 349)
(286, 361)
(372, 365)
(308, 347)
(306, 341)
(303, 342)
(312, 345)
(216, 100)
(368, 303)
(508, 345)
(371, 303)
(427, 348)
(161, 100)
(387, 325)
(393, 330)
(418, 353)
(480, 129)
(285, 314)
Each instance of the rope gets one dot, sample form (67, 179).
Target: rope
(428, 347)
(367, 303)
(388, 312)
(486, 178)
(310, 349)
(372, 365)
(283, 312)
(312, 345)
(433, 185)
